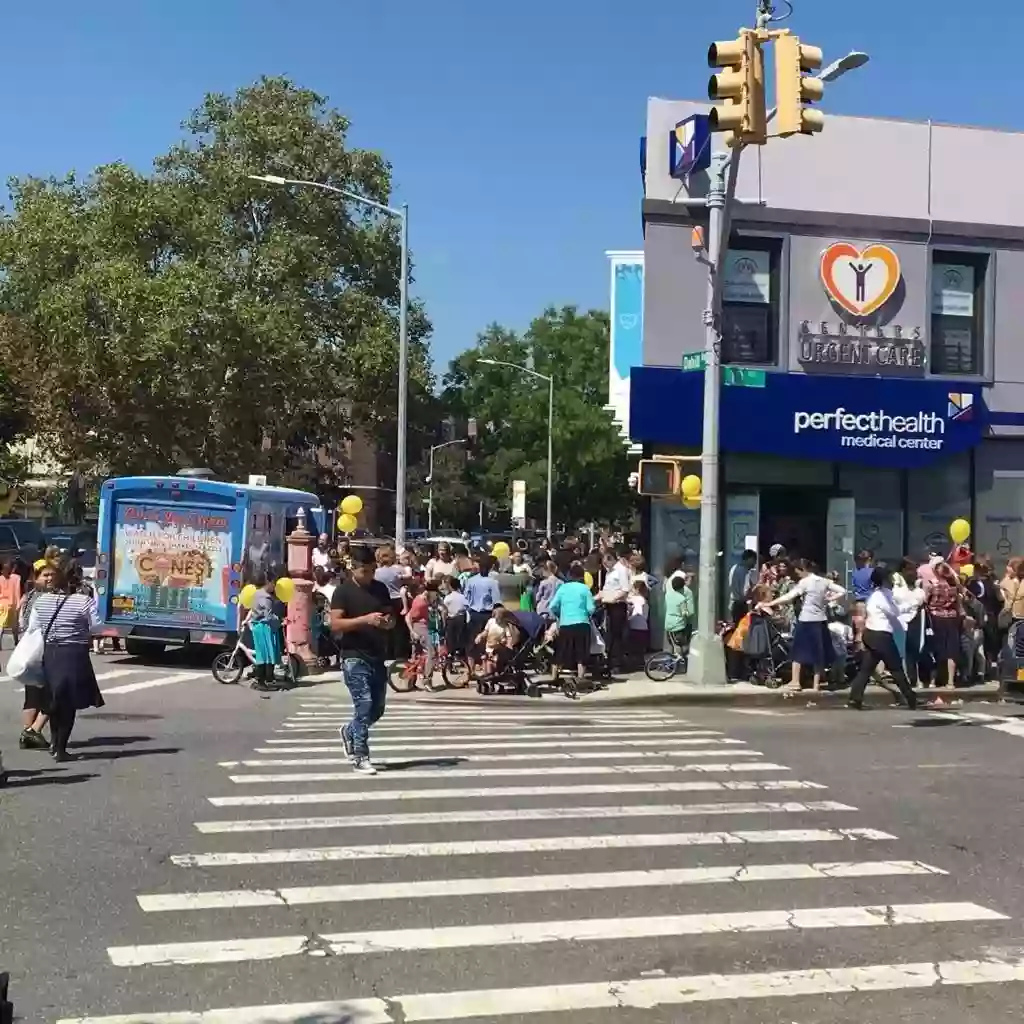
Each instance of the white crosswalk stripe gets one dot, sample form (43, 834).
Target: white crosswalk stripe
(479, 820)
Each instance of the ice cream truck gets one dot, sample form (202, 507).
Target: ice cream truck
(175, 551)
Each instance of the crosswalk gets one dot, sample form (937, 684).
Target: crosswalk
(131, 679)
(582, 840)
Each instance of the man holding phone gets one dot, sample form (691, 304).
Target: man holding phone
(361, 615)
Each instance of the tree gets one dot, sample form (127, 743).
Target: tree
(591, 465)
(15, 415)
(193, 316)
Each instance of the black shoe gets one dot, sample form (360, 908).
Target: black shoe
(855, 705)
(62, 756)
(32, 740)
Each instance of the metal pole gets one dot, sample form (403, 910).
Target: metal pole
(403, 383)
(430, 493)
(551, 450)
(707, 662)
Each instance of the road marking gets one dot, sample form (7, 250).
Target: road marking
(383, 734)
(463, 773)
(1008, 726)
(453, 752)
(537, 844)
(642, 737)
(148, 684)
(323, 725)
(485, 792)
(646, 994)
(526, 933)
(447, 888)
(446, 711)
(759, 711)
(521, 814)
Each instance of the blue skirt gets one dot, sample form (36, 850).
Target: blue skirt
(266, 643)
(812, 645)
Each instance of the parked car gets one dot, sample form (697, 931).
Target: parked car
(20, 538)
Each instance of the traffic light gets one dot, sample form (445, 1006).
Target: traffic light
(659, 478)
(739, 88)
(794, 89)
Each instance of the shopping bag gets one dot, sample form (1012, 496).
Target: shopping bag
(26, 662)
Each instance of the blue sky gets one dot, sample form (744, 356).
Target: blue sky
(513, 127)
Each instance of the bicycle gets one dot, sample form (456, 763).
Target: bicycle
(404, 676)
(664, 665)
(229, 666)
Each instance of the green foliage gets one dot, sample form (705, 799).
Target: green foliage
(591, 465)
(193, 316)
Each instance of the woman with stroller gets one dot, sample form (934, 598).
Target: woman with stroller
(882, 627)
(812, 643)
(573, 606)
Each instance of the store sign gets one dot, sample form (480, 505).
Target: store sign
(953, 290)
(747, 276)
(888, 422)
(863, 285)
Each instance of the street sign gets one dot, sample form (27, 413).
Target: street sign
(740, 377)
(694, 360)
(689, 146)
(519, 500)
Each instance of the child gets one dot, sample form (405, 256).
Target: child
(679, 614)
(639, 626)
(498, 638)
(841, 634)
(456, 617)
(423, 619)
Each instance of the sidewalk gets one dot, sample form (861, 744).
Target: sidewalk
(635, 689)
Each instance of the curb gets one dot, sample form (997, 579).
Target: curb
(875, 697)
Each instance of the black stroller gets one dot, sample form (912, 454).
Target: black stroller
(767, 650)
(516, 669)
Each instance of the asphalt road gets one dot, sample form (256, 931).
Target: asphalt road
(561, 862)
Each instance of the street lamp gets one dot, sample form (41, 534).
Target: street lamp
(706, 656)
(551, 423)
(430, 479)
(402, 215)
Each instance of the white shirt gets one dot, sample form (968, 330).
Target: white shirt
(437, 567)
(617, 584)
(637, 611)
(321, 559)
(327, 590)
(816, 592)
(882, 614)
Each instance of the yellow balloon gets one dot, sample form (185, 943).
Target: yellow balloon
(967, 571)
(588, 579)
(245, 598)
(959, 530)
(352, 505)
(284, 588)
(691, 486)
(691, 502)
(500, 550)
(347, 522)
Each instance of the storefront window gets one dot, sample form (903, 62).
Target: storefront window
(935, 497)
(999, 506)
(750, 301)
(878, 511)
(958, 292)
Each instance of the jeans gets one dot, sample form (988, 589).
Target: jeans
(367, 682)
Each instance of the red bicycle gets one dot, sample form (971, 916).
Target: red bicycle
(404, 676)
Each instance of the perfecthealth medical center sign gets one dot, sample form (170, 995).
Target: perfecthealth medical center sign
(888, 423)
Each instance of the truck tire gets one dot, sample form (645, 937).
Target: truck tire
(143, 648)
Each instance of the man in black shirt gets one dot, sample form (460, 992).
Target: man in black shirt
(361, 614)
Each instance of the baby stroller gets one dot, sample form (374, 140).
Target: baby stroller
(767, 650)
(517, 667)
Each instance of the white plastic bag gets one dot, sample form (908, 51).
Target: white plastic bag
(26, 662)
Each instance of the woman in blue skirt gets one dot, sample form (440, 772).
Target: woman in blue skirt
(266, 633)
(812, 644)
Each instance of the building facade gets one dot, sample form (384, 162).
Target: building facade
(875, 274)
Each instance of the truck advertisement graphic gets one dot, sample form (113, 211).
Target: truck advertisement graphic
(171, 566)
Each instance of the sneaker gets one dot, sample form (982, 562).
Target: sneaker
(364, 766)
(32, 740)
(346, 742)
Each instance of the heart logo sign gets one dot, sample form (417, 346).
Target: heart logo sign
(860, 280)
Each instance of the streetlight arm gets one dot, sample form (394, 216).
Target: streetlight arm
(516, 366)
(274, 179)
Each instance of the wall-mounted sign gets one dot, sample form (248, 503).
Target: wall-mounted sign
(875, 348)
(689, 146)
(860, 281)
(747, 276)
(952, 290)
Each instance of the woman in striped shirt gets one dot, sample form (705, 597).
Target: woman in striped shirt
(66, 619)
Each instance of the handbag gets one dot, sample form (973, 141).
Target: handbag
(26, 663)
(1005, 618)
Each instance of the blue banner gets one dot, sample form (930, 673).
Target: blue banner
(893, 424)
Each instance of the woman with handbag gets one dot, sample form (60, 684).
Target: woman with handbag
(66, 619)
(36, 707)
(1011, 589)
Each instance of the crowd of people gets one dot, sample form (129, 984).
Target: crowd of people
(940, 622)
